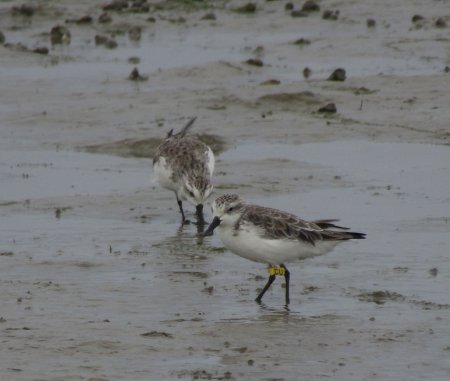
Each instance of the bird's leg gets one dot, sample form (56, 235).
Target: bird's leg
(199, 213)
(180, 205)
(266, 287)
(287, 277)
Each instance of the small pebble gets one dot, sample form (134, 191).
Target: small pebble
(209, 16)
(116, 5)
(310, 6)
(417, 18)
(306, 72)
(84, 20)
(105, 41)
(302, 41)
(41, 50)
(134, 33)
(23, 10)
(270, 82)
(59, 35)
(247, 8)
(134, 60)
(440, 23)
(329, 108)
(254, 62)
(104, 18)
(330, 15)
(337, 75)
(136, 76)
(371, 23)
(289, 6)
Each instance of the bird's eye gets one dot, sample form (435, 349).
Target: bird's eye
(230, 209)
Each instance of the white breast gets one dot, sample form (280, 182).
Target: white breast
(248, 243)
(162, 173)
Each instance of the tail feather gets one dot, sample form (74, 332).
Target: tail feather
(333, 235)
(355, 235)
(183, 131)
(328, 224)
(186, 127)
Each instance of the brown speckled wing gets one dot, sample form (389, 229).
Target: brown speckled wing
(277, 224)
(186, 157)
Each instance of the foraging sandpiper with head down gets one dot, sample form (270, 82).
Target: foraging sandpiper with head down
(185, 165)
(271, 236)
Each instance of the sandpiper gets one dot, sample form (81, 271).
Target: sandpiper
(272, 236)
(185, 165)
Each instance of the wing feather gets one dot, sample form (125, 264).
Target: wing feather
(276, 224)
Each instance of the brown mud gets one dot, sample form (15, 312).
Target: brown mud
(98, 280)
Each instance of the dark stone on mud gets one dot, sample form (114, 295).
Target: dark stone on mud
(310, 6)
(134, 33)
(136, 76)
(85, 20)
(270, 82)
(111, 44)
(41, 50)
(23, 10)
(327, 14)
(302, 41)
(209, 16)
(82, 20)
(254, 62)
(247, 8)
(116, 5)
(134, 60)
(60, 35)
(440, 23)
(100, 40)
(447, 69)
(289, 6)
(2, 37)
(104, 18)
(179, 20)
(330, 15)
(157, 334)
(434, 271)
(371, 23)
(417, 18)
(151, 19)
(306, 72)
(140, 6)
(329, 108)
(105, 41)
(337, 75)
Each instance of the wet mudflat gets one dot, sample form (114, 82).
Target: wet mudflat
(98, 280)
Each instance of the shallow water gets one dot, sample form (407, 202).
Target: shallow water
(90, 283)
(98, 281)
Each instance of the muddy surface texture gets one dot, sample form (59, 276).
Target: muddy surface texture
(99, 282)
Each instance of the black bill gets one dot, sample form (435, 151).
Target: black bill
(215, 222)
